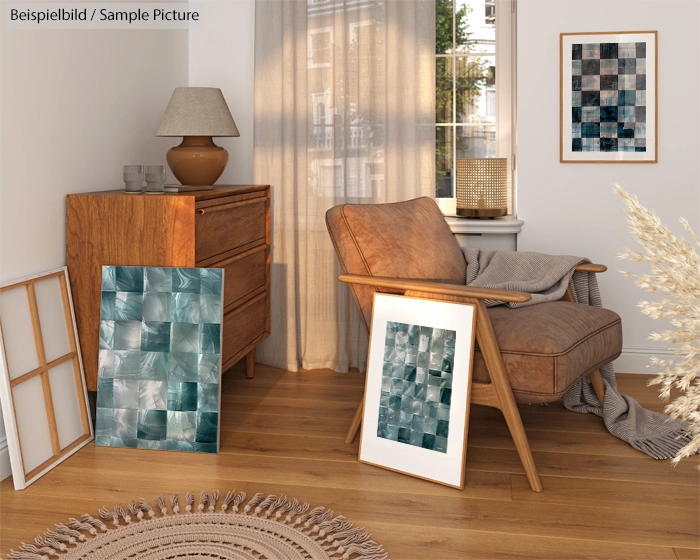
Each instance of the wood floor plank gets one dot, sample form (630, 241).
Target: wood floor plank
(298, 390)
(409, 543)
(618, 494)
(282, 406)
(642, 469)
(687, 553)
(285, 425)
(299, 447)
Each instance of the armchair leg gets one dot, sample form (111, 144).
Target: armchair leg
(598, 387)
(355, 425)
(499, 378)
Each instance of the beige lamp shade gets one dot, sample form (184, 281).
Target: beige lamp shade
(197, 111)
(482, 187)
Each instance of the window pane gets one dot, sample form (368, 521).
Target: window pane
(476, 89)
(319, 48)
(476, 29)
(443, 90)
(443, 161)
(443, 26)
(476, 141)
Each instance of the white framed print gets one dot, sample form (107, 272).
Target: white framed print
(609, 97)
(417, 393)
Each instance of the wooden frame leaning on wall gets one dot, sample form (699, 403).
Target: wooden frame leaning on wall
(41, 365)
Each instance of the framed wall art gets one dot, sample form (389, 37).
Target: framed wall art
(609, 97)
(159, 367)
(416, 406)
(42, 384)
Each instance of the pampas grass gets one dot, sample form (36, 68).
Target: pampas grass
(675, 276)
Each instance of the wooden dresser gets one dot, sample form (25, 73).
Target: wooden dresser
(228, 227)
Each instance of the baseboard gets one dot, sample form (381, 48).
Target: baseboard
(636, 359)
(5, 469)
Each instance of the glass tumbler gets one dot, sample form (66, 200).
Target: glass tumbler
(155, 179)
(133, 178)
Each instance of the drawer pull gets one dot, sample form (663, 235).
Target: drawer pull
(201, 211)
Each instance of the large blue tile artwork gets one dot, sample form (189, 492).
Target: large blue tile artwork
(416, 393)
(608, 97)
(160, 358)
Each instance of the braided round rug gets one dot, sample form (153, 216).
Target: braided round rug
(264, 528)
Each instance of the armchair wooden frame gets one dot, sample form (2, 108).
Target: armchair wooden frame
(498, 393)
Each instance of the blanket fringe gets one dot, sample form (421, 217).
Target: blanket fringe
(663, 448)
(335, 534)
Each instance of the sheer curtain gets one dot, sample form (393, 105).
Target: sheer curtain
(344, 112)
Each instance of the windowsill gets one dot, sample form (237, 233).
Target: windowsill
(508, 225)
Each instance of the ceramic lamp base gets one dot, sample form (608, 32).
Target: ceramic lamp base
(197, 161)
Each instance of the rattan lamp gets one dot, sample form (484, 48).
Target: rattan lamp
(482, 187)
(197, 114)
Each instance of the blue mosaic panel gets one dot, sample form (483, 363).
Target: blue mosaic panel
(608, 97)
(160, 358)
(416, 391)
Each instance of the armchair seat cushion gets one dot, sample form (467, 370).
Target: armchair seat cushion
(549, 346)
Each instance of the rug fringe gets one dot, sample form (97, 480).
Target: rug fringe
(238, 500)
(254, 501)
(145, 506)
(189, 499)
(203, 501)
(212, 501)
(335, 534)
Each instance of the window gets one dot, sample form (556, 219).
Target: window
(320, 41)
(490, 12)
(474, 87)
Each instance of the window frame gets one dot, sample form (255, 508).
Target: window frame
(311, 50)
(505, 101)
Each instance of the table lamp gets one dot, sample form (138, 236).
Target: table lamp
(197, 114)
(482, 187)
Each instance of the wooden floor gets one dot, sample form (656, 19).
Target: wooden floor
(283, 432)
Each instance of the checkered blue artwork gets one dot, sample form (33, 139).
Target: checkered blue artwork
(609, 101)
(416, 388)
(160, 358)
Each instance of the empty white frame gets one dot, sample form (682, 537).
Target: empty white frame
(42, 385)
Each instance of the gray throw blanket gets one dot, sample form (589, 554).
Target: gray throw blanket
(546, 277)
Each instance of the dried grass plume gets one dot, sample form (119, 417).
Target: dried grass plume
(675, 276)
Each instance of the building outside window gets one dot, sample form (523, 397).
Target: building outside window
(473, 83)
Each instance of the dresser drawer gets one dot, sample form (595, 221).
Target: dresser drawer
(244, 274)
(219, 229)
(242, 326)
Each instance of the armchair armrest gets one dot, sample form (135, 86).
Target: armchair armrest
(436, 288)
(590, 267)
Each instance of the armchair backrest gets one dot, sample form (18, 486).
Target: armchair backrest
(403, 240)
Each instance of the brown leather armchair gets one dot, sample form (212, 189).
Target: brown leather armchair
(531, 354)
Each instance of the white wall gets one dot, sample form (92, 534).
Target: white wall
(222, 55)
(75, 106)
(569, 207)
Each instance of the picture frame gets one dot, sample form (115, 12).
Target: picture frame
(42, 383)
(418, 387)
(609, 97)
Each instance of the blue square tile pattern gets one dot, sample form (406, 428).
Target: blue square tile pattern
(416, 387)
(159, 358)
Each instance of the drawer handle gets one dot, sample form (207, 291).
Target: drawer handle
(230, 205)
